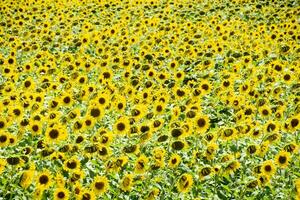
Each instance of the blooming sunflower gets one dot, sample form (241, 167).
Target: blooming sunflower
(56, 134)
(282, 159)
(2, 165)
(27, 178)
(185, 183)
(127, 182)
(61, 194)
(201, 123)
(72, 164)
(141, 164)
(100, 185)
(268, 168)
(44, 179)
(122, 126)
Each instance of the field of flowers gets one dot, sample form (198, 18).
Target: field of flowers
(149, 99)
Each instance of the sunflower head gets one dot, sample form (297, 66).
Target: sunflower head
(100, 185)
(282, 159)
(185, 183)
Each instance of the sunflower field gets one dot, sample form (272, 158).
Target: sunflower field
(149, 99)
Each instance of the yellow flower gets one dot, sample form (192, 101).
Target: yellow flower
(263, 179)
(61, 194)
(122, 126)
(44, 179)
(211, 149)
(228, 133)
(204, 172)
(282, 159)
(232, 166)
(72, 164)
(100, 185)
(201, 123)
(87, 194)
(4, 139)
(56, 134)
(268, 168)
(2, 165)
(297, 186)
(174, 161)
(38, 193)
(185, 183)
(153, 194)
(141, 164)
(27, 178)
(127, 182)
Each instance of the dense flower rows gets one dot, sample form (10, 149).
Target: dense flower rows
(149, 99)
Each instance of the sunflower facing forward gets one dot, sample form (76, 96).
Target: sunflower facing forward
(282, 159)
(100, 185)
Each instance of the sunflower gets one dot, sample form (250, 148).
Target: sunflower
(122, 126)
(96, 112)
(228, 133)
(59, 180)
(56, 134)
(26, 178)
(264, 147)
(201, 123)
(252, 184)
(3, 123)
(268, 168)
(205, 172)
(159, 107)
(119, 103)
(102, 100)
(66, 100)
(291, 147)
(232, 166)
(263, 180)
(294, 123)
(77, 187)
(44, 179)
(127, 182)
(252, 149)
(210, 151)
(88, 122)
(38, 193)
(265, 111)
(297, 187)
(185, 183)
(28, 84)
(174, 161)
(121, 161)
(205, 87)
(61, 193)
(100, 185)
(14, 161)
(87, 194)
(153, 194)
(35, 127)
(271, 126)
(159, 154)
(282, 159)
(2, 165)
(256, 132)
(179, 145)
(77, 175)
(139, 111)
(141, 164)
(103, 152)
(72, 164)
(4, 139)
